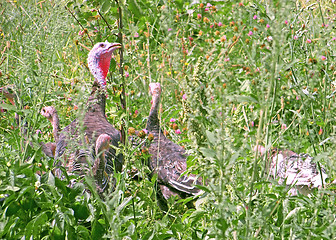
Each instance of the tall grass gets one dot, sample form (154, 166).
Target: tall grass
(234, 74)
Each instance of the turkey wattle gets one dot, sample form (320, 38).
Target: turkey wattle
(295, 169)
(77, 140)
(168, 159)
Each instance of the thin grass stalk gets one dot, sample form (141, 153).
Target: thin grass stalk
(310, 137)
(249, 209)
(121, 71)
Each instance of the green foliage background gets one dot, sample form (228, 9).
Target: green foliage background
(234, 74)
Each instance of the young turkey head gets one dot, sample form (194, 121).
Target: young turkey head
(103, 143)
(48, 112)
(99, 60)
(99, 167)
(155, 89)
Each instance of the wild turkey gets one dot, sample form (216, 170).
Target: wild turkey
(70, 145)
(51, 114)
(295, 169)
(168, 160)
(102, 145)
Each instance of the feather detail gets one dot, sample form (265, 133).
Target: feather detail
(76, 142)
(296, 169)
(168, 160)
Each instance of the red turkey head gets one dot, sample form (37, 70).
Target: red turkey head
(99, 60)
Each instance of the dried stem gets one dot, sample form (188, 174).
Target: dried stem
(79, 24)
(107, 24)
(121, 70)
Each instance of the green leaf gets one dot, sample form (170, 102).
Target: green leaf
(83, 232)
(211, 137)
(8, 107)
(242, 98)
(39, 221)
(98, 230)
(51, 179)
(134, 8)
(81, 211)
(196, 216)
(105, 6)
(12, 209)
(288, 66)
(60, 220)
(207, 152)
(123, 204)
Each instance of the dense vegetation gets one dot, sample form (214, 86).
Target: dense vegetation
(234, 74)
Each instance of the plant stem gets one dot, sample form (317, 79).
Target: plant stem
(121, 71)
(79, 24)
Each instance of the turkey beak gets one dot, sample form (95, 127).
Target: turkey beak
(115, 46)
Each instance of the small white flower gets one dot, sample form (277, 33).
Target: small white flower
(37, 184)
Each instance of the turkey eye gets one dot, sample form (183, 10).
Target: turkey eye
(102, 45)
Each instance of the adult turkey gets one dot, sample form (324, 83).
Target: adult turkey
(168, 160)
(296, 170)
(76, 142)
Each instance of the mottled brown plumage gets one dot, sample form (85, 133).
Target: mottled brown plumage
(77, 141)
(98, 169)
(168, 160)
(292, 169)
(49, 149)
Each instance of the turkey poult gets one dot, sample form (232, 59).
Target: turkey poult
(102, 145)
(76, 142)
(168, 160)
(47, 148)
(51, 114)
(297, 170)
(98, 170)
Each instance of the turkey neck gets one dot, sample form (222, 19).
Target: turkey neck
(98, 167)
(153, 123)
(99, 164)
(55, 124)
(97, 99)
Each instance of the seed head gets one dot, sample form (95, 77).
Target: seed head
(131, 131)
(144, 150)
(150, 137)
(142, 134)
